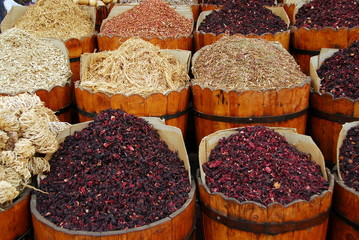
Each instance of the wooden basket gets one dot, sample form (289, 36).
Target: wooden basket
(16, 219)
(177, 226)
(344, 219)
(327, 114)
(307, 42)
(202, 39)
(227, 218)
(75, 46)
(108, 43)
(57, 98)
(172, 106)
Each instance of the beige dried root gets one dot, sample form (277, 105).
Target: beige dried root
(24, 149)
(11, 161)
(8, 120)
(61, 19)
(57, 127)
(136, 67)
(7, 193)
(13, 138)
(3, 140)
(38, 165)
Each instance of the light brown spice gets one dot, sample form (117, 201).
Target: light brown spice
(149, 19)
(136, 67)
(61, 19)
(236, 63)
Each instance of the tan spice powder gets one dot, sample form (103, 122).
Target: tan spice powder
(28, 63)
(136, 67)
(61, 19)
(149, 19)
(236, 63)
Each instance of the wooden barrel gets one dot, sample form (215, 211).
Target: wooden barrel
(172, 107)
(306, 43)
(209, 7)
(327, 114)
(216, 109)
(101, 14)
(227, 218)
(109, 43)
(202, 39)
(177, 226)
(16, 219)
(344, 218)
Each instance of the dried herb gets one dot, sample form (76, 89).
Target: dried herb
(339, 73)
(328, 13)
(246, 63)
(114, 174)
(223, 2)
(258, 164)
(349, 159)
(149, 19)
(244, 17)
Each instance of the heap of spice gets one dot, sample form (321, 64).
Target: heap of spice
(339, 73)
(242, 17)
(258, 164)
(28, 63)
(349, 159)
(171, 2)
(224, 2)
(246, 63)
(136, 67)
(27, 128)
(115, 174)
(61, 19)
(149, 19)
(328, 13)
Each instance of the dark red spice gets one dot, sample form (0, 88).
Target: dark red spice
(258, 164)
(340, 73)
(243, 17)
(114, 174)
(349, 159)
(328, 13)
(223, 2)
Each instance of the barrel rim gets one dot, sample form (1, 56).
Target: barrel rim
(294, 28)
(300, 85)
(342, 184)
(23, 195)
(332, 96)
(67, 82)
(274, 204)
(178, 90)
(40, 218)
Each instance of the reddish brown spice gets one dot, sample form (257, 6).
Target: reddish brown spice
(340, 73)
(349, 159)
(114, 174)
(244, 17)
(149, 19)
(328, 13)
(258, 164)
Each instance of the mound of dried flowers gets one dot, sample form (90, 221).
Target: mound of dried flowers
(114, 174)
(349, 159)
(258, 164)
(242, 17)
(28, 63)
(223, 2)
(339, 73)
(149, 19)
(245, 63)
(328, 13)
(27, 128)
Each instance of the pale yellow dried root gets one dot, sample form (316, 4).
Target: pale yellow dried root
(7, 193)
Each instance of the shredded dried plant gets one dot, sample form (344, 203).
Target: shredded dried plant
(136, 67)
(240, 64)
(61, 19)
(36, 131)
(28, 63)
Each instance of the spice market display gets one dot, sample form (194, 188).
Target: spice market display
(27, 129)
(149, 19)
(136, 67)
(114, 174)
